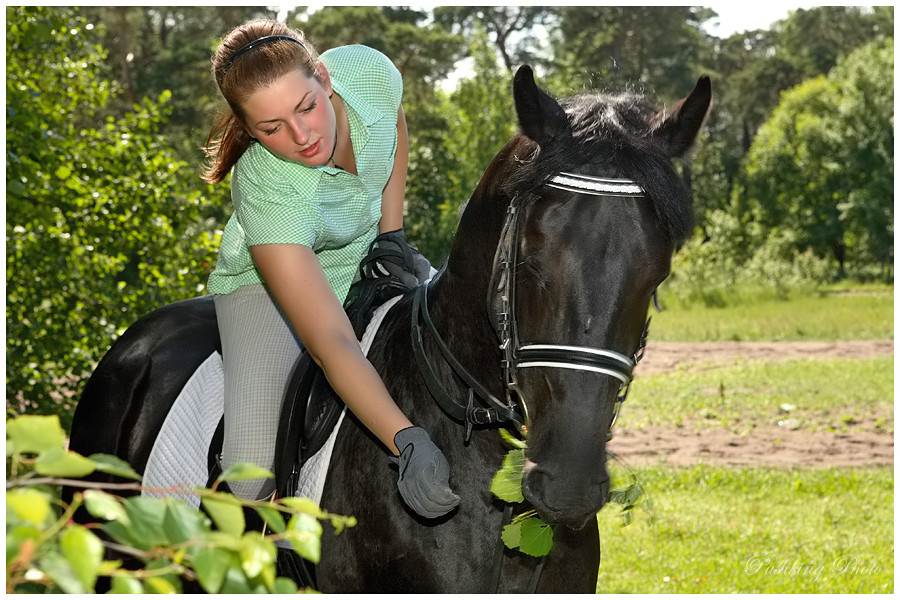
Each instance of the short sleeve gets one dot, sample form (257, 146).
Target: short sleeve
(369, 73)
(271, 212)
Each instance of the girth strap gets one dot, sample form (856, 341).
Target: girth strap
(495, 412)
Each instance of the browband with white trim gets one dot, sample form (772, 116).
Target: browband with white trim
(599, 186)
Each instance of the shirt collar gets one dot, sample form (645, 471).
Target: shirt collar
(363, 109)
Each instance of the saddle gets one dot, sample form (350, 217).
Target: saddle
(311, 407)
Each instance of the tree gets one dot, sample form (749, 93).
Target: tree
(659, 46)
(822, 165)
(511, 28)
(104, 223)
(865, 123)
(751, 70)
(153, 49)
(484, 117)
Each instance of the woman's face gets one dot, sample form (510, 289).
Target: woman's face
(294, 118)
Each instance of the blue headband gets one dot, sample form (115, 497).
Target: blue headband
(254, 43)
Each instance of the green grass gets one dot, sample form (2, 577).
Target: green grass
(725, 530)
(862, 315)
(827, 394)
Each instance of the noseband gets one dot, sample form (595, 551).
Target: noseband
(501, 304)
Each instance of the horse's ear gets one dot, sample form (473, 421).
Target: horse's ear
(677, 127)
(541, 118)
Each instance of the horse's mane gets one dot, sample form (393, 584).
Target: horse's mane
(612, 130)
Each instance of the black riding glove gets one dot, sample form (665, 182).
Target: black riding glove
(424, 474)
(391, 255)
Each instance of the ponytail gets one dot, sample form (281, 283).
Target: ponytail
(227, 141)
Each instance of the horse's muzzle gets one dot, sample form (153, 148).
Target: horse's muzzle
(565, 498)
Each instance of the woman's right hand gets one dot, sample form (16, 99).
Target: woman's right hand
(424, 481)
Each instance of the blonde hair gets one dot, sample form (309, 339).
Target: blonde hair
(253, 55)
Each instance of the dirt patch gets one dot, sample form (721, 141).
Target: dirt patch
(764, 446)
(770, 446)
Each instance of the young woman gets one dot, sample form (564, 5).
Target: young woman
(317, 149)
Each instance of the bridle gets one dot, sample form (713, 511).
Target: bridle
(502, 306)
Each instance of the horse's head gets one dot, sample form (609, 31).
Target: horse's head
(598, 210)
(591, 253)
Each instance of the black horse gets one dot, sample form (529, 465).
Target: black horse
(534, 322)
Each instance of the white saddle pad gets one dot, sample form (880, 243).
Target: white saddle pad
(178, 460)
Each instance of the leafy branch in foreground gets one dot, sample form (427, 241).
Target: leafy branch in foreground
(169, 541)
(527, 531)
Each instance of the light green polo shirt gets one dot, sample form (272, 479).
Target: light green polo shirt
(329, 210)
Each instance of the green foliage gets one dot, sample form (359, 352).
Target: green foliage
(527, 532)
(507, 482)
(47, 552)
(731, 254)
(104, 223)
(822, 166)
(153, 49)
(601, 47)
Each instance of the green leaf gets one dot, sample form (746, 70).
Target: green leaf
(226, 512)
(507, 482)
(210, 564)
(537, 537)
(242, 471)
(104, 506)
(305, 532)
(63, 172)
(633, 493)
(304, 505)
(29, 505)
(283, 585)
(84, 551)
(126, 584)
(59, 462)
(512, 535)
(159, 585)
(145, 521)
(512, 440)
(62, 573)
(272, 517)
(33, 433)
(114, 466)
(256, 554)
(340, 522)
(183, 523)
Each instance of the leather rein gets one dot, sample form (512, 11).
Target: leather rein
(501, 304)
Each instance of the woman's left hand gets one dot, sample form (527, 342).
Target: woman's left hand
(390, 255)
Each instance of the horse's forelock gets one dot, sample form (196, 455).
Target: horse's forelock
(613, 130)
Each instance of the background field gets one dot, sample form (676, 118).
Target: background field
(731, 521)
(860, 314)
(753, 530)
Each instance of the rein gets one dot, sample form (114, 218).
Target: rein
(502, 307)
